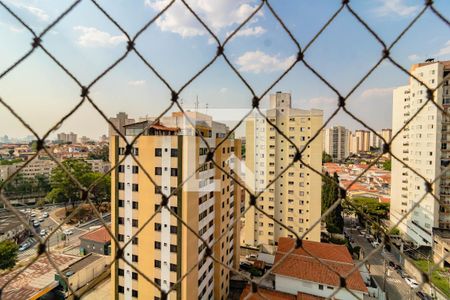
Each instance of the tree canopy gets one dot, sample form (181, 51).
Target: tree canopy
(331, 192)
(8, 254)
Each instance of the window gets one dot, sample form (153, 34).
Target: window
(174, 152)
(134, 276)
(121, 169)
(135, 205)
(157, 245)
(121, 203)
(173, 267)
(121, 185)
(157, 227)
(158, 170)
(158, 152)
(136, 151)
(120, 272)
(157, 264)
(173, 248)
(135, 187)
(320, 287)
(121, 150)
(134, 223)
(134, 258)
(120, 220)
(135, 169)
(120, 237)
(173, 172)
(173, 229)
(120, 289)
(134, 293)
(135, 241)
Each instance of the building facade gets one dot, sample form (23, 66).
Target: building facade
(119, 122)
(171, 151)
(294, 198)
(67, 137)
(336, 142)
(424, 145)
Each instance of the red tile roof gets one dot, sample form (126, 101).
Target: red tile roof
(100, 235)
(333, 260)
(264, 293)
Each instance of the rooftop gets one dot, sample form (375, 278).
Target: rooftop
(100, 235)
(443, 233)
(82, 263)
(264, 293)
(318, 262)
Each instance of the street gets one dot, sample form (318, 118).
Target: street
(50, 224)
(395, 285)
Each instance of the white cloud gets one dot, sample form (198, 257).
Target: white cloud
(217, 14)
(250, 31)
(136, 82)
(320, 102)
(377, 92)
(11, 28)
(223, 90)
(395, 7)
(444, 50)
(413, 57)
(92, 37)
(35, 11)
(260, 62)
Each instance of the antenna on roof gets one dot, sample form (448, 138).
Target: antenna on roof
(206, 108)
(196, 103)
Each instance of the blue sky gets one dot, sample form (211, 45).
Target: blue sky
(86, 42)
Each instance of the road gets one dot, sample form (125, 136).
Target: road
(50, 224)
(395, 286)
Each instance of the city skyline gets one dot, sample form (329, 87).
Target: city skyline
(92, 40)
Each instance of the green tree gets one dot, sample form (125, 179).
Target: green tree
(100, 153)
(66, 189)
(332, 192)
(369, 208)
(326, 158)
(387, 165)
(8, 254)
(102, 189)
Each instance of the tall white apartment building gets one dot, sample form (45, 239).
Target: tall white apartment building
(336, 142)
(295, 197)
(425, 146)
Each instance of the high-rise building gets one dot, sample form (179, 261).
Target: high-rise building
(374, 140)
(386, 133)
(363, 140)
(119, 122)
(424, 145)
(67, 137)
(295, 197)
(336, 142)
(171, 150)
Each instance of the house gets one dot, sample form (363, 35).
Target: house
(315, 269)
(97, 241)
(441, 247)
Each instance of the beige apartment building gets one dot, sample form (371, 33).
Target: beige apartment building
(336, 142)
(119, 122)
(165, 250)
(425, 146)
(295, 198)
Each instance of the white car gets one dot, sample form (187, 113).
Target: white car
(68, 232)
(45, 215)
(411, 282)
(375, 244)
(43, 232)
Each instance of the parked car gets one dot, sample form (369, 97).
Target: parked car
(45, 214)
(411, 282)
(36, 224)
(33, 215)
(41, 219)
(402, 273)
(251, 256)
(68, 232)
(24, 246)
(375, 243)
(423, 296)
(43, 232)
